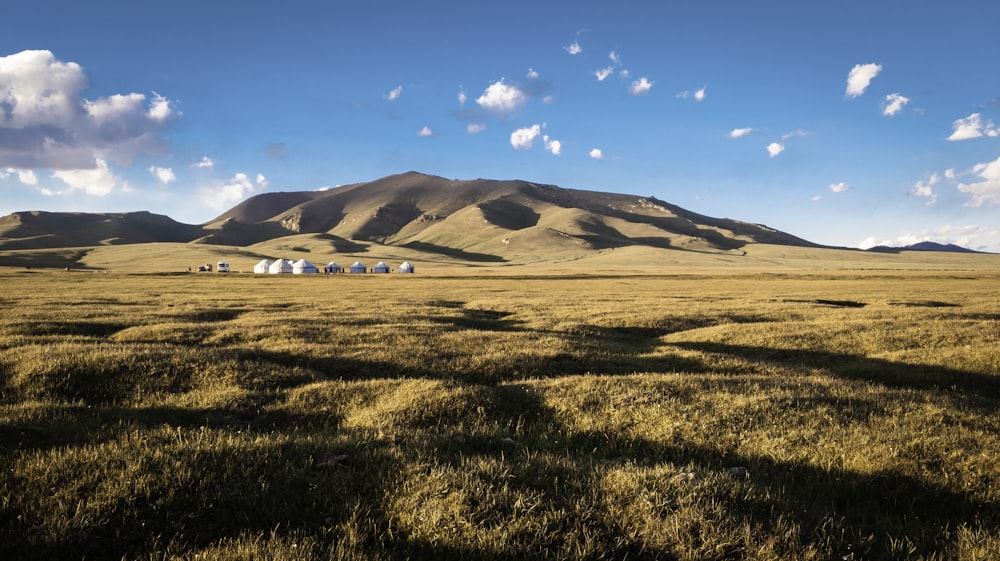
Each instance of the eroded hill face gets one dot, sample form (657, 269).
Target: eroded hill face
(488, 220)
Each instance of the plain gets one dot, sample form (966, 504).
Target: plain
(807, 410)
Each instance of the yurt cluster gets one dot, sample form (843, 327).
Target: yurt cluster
(303, 267)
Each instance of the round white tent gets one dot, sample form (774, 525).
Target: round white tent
(280, 267)
(406, 267)
(380, 268)
(358, 267)
(332, 268)
(262, 266)
(302, 266)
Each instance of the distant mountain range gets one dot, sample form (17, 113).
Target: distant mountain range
(481, 219)
(924, 246)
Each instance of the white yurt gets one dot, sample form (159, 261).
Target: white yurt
(380, 268)
(332, 268)
(303, 267)
(281, 267)
(406, 267)
(358, 267)
(262, 266)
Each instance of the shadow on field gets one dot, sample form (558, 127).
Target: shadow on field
(855, 367)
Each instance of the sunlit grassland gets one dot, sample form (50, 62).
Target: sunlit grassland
(686, 415)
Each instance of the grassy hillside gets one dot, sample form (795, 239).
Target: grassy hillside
(564, 411)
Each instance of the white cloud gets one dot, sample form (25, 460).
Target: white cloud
(794, 134)
(641, 86)
(475, 128)
(894, 104)
(816, 198)
(860, 77)
(597, 154)
(603, 73)
(226, 194)
(205, 163)
(925, 189)
(839, 187)
(775, 148)
(425, 132)
(738, 133)
(574, 48)
(949, 174)
(25, 176)
(462, 97)
(47, 123)
(502, 97)
(973, 126)
(615, 58)
(524, 138)
(395, 93)
(552, 145)
(98, 181)
(698, 95)
(987, 191)
(532, 74)
(165, 175)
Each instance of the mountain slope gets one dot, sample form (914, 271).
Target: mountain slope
(482, 219)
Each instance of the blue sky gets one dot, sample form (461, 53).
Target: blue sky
(846, 123)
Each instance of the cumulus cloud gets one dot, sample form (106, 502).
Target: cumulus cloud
(861, 77)
(925, 189)
(597, 154)
(603, 73)
(739, 133)
(425, 132)
(98, 182)
(227, 193)
(46, 123)
(395, 93)
(987, 190)
(552, 145)
(524, 138)
(973, 126)
(641, 86)
(574, 48)
(894, 104)
(839, 187)
(501, 97)
(165, 175)
(615, 58)
(775, 148)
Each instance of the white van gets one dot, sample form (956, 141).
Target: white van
(222, 267)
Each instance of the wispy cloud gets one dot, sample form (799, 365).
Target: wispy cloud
(894, 103)
(697, 95)
(861, 77)
(839, 187)
(425, 132)
(227, 193)
(985, 192)
(475, 128)
(603, 73)
(973, 126)
(925, 189)
(395, 93)
(739, 133)
(574, 48)
(205, 163)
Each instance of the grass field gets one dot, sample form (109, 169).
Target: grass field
(846, 412)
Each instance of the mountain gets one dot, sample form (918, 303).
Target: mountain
(925, 246)
(481, 219)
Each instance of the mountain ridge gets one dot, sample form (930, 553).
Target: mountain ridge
(498, 219)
